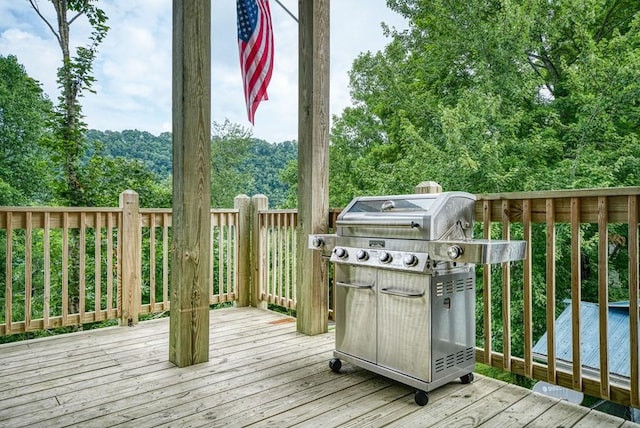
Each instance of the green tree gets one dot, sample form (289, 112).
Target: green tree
(24, 109)
(68, 142)
(265, 163)
(494, 96)
(106, 177)
(230, 144)
(74, 76)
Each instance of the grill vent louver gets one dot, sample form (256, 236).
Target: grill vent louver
(452, 360)
(446, 288)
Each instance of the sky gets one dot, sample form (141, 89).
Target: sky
(133, 68)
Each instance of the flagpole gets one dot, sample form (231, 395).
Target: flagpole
(287, 10)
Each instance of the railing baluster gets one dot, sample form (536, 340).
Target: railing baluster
(506, 291)
(224, 251)
(65, 268)
(236, 254)
(165, 261)
(152, 262)
(528, 292)
(109, 307)
(46, 244)
(632, 207)
(274, 258)
(119, 267)
(603, 293)
(280, 258)
(28, 271)
(486, 273)
(294, 266)
(232, 271)
(227, 253)
(82, 266)
(221, 257)
(8, 306)
(212, 277)
(97, 266)
(287, 258)
(551, 290)
(575, 293)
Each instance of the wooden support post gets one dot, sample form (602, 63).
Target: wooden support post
(313, 163)
(258, 255)
(191, 248)
(131, 259)
(243, 204)
(428, 187)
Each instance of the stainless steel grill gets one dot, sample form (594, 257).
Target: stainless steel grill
(405, 286)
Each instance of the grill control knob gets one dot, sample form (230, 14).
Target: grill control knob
(410, 260)
(385, 257)
(317, 242)
(454, 252)
(341, 253)
(362, 255)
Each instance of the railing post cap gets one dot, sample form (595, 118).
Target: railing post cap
(428, 187)
(128, 197)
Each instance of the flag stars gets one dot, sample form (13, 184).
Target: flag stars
(247, 18)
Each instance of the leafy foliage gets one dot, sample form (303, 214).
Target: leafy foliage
(494, 97)
(75, 75)
(25, 171)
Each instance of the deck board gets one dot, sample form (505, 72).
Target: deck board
(261, 372)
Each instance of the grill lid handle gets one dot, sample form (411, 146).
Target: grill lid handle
(378, 223)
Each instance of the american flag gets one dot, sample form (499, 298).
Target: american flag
(255, 42)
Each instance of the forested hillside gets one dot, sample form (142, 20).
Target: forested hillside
(153, 151)
(240, 164)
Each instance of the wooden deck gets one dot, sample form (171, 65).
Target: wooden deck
(260, 372)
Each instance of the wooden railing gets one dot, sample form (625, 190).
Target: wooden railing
(561, 223)
(72, 266)
(277, 269)
(119, 258)
(42, 290)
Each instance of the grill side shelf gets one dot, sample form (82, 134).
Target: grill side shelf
(478, 251)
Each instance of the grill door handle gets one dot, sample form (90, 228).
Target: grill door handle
(358, 286)
(401, 293)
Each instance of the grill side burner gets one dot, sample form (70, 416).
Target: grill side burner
(404, 285)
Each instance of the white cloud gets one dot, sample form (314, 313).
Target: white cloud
(133, 70)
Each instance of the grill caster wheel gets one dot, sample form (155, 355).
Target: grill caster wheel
(335, 365)
(421, 398)
(468, 378)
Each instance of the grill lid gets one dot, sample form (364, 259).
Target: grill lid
(431, 216)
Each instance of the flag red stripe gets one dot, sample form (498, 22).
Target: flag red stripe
(256, 60)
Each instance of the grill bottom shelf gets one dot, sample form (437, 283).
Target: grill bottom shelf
(462, 372)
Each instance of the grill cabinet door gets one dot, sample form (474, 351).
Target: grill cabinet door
(404, 325)
(355, 292)
(453, 319)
